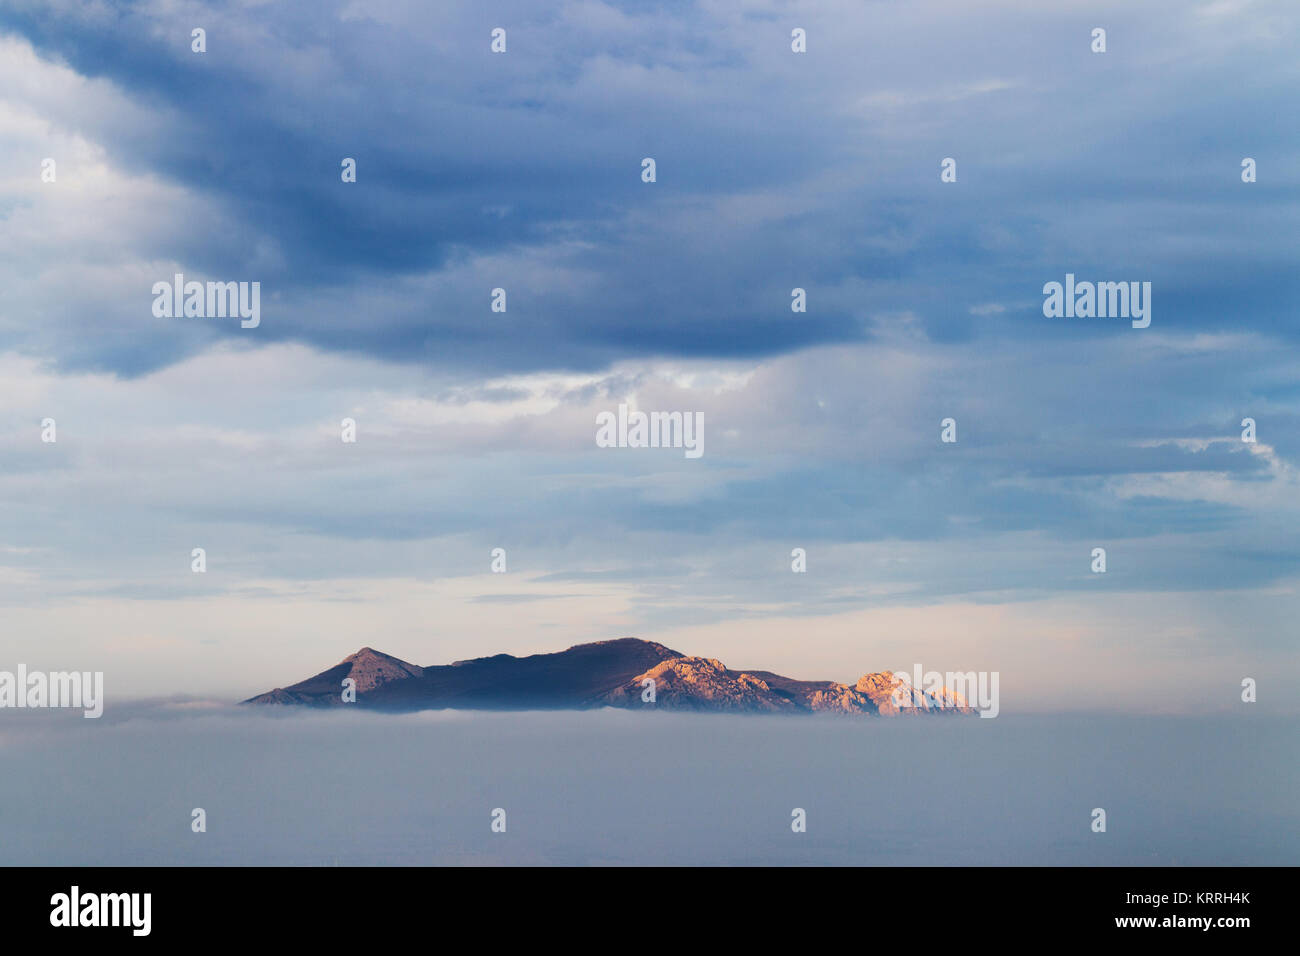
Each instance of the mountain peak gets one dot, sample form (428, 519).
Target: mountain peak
(893, 694)
(630, 642)
(371, 668)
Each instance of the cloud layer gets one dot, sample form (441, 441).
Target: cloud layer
(522, 171)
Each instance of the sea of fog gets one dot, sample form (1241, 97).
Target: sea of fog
(617, 787)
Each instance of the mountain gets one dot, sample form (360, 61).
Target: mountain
(603, 674)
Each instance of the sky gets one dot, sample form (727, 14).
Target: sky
(775, 170)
